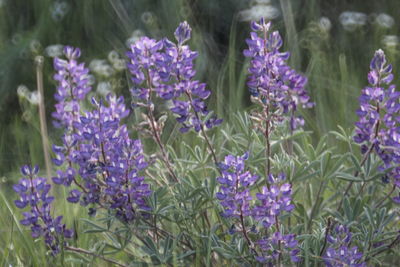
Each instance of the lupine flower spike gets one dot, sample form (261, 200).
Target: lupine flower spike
(272, 83)
(239, 204)
(235, 186)
(97, 147)
(167, 69)
(274, 202)
(378, 128)
(33, 192)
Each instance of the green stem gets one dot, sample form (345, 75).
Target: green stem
(87, 252)
(42, 116)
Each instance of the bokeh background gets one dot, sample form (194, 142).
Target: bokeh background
(330, 41)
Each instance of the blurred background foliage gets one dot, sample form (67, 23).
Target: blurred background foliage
(330, 41)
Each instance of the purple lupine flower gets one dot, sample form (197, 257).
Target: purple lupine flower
(33, 192)
(145, 56)
(182, 33)
(181, 71)
(270, 248)
(279, 88)
(74, 196)
(273, 201)
(343, 256)
(378, 128)
(72, 88)
(373, 101)
(109, 161)
(340, 236)
(167, 70)
(73, 85)
(235, 182)
(103, 161)
(237, 201)
(339, 252)
(397, 199)
(65, 177)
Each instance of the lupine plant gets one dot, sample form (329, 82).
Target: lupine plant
(258, 194)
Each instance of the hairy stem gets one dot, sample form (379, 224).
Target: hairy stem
(386, 197)
(376, 132)
(246, 236)
(313, 209)
(155, 130)
(279, 241)
(364, 160)
(328, 229)
(267, 146)
(203, 130)
(267, 132)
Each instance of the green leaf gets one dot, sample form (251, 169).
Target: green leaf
(95, 227)
(348, 177)
(223, 252)
(355, 162)
(348, 211)
(370, 216)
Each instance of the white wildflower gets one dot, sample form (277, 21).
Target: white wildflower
(325, 24)
(104, 88)
(54, 50)
(384, 20)
(352, 20)
(257, 12)
(390, 41)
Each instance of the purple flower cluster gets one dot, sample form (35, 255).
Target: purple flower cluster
(33, 192)
(273, 201)
(235, 196)
(107, 160)
(340, 254)
(102, 160)
(235, 182)
(270, 247)
(167, 69)
(279, 88)
(378, 128)
(73, 85)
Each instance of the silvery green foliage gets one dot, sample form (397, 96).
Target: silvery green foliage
(315, 203)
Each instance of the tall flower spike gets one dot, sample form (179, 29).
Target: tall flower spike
(180, 59)
(102, 160)
(270, 248)
(272, 83)
(236, 199)
(33, 192)
(169, 70)
(378, 127)
(73, 86)
(109, 162)
(143, 65)
(235, 186)
(272, 203)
